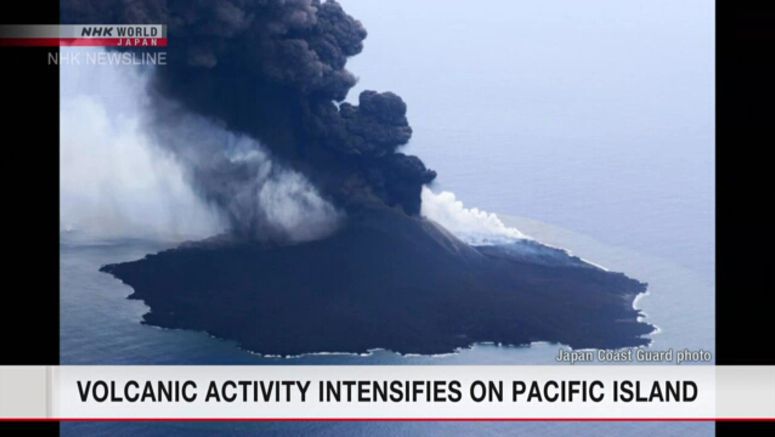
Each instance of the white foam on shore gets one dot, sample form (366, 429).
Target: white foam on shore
(372, 352)
(644, 315)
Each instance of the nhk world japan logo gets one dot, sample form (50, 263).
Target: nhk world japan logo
(84, 35)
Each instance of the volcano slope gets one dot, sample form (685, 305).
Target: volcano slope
(384, 280)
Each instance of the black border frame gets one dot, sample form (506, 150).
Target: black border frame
(30, 325)
(745, 92)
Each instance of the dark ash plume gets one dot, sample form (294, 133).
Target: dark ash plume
(275, 70)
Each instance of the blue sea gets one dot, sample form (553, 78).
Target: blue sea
(100, 326)
(586, 125)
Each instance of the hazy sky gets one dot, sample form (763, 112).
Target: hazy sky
(594, 115)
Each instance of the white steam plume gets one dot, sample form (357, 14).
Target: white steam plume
(471, 225)
(260, 198)
(124, 175)
(113, 183)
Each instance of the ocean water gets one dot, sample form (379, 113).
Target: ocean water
(338, 429)
(586, 125)
(100, 326)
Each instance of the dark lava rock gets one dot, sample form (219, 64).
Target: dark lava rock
(385, 280)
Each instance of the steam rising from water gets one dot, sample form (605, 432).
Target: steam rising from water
(127, 171)
(113, 182)
(471, 225)
(259, 198)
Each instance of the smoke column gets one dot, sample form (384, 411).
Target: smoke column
(272, 73)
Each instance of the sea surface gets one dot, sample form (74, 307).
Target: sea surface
(100, 326)
(586, 125)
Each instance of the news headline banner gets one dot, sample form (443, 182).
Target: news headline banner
(388, 392)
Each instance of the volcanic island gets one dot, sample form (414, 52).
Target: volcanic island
(385, 280)
(385, 277)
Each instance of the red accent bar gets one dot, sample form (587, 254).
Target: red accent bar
(84, 42)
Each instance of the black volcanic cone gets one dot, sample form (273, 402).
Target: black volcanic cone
(385, 280)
